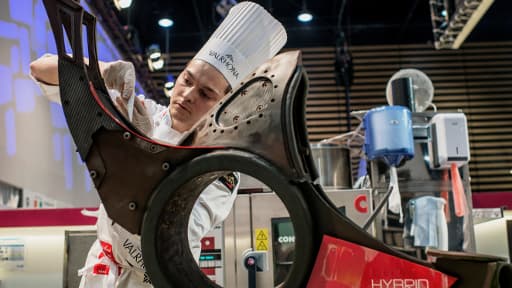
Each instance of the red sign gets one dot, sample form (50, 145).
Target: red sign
(342, 264)
(361, 203)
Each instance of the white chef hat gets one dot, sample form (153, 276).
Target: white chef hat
(247, 38)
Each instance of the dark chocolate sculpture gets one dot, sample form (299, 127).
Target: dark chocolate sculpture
(259, 129)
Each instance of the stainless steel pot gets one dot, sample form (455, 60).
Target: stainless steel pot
(333, 164)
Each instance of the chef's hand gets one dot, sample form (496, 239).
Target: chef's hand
(140, 117)
(119, 75)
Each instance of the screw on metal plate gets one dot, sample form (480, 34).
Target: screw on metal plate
(132, 205)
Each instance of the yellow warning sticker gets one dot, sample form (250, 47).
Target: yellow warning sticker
(261, 236)
(261, 245)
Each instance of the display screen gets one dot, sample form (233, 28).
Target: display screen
(283, 246)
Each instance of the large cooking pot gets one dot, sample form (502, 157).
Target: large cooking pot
(333, 164)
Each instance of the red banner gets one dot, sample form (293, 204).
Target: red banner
(342, 264)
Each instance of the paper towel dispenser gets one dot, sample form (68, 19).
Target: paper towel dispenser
(449, 140)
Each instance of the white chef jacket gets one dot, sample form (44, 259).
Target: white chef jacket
(115, 259)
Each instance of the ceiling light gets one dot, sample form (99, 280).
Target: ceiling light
(156, 65)
(155, 61)
(122, 4)
(169, 84)
(155, 55)
(153, 52)
(165, 22)
(305, 16)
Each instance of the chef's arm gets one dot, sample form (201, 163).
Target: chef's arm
(119, 75)
(45, 69)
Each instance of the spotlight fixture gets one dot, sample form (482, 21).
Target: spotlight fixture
(155, 61)
(165, 22)
(304, 15)
(122, 4)
(452, 26)
(153, 52)
(169, 84)
(156, 65)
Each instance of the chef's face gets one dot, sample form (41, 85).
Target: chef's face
(197, 89)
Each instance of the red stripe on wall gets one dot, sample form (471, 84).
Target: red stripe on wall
(492, 200)
(45, 217)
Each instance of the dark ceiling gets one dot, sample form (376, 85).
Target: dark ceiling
(363, 21)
